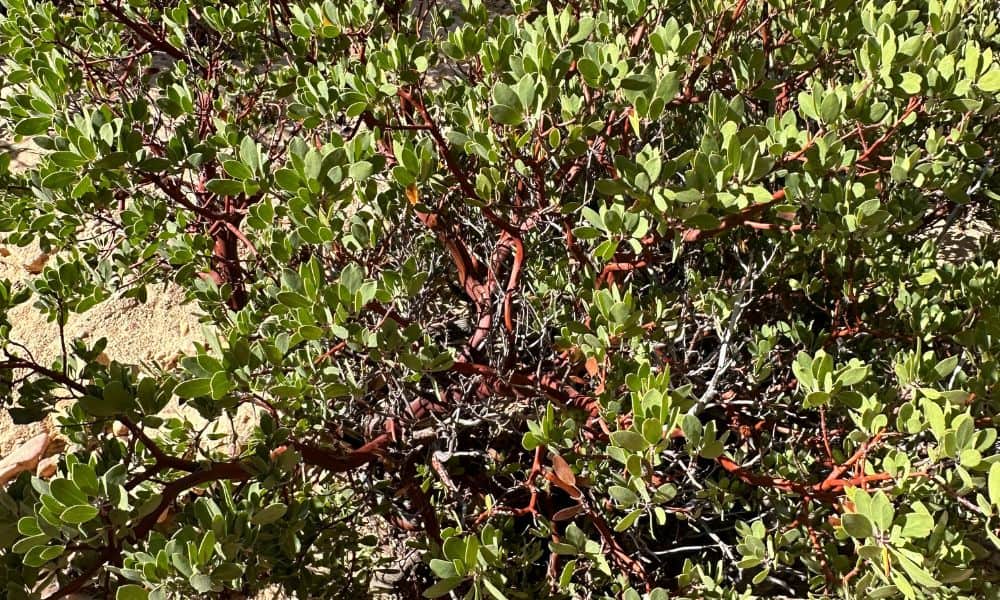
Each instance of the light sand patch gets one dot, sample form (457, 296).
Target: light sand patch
(154, 332)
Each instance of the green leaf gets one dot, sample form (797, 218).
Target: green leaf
(917, 525)
(454, 548)
(24, 545)
(623, 495)
(68, 160)
(59, 179)
(155, 164)
(564, 549)
(668, 86)
(206, 548)
(816, 399)
(67, 492)
(32, 126)
(970, 458)
(113, 160)
(637, 83)
(526, 92)
(628, 520)
(589, 69)
(287, 179)
(712, 450)
(911, 83)
(652, 429)
(361, 170)
(48, 553)
(990, 82)
(593, 217)
(916, 572)
(249, 154)
(934, 417)
(237, 170)
(492, 589)
(36, 556)
(83, 187)
(471, 555)
(220, 385)
(293, 300)
(505, 95)
(201, 582)
(852, 376)
(270, 514)
(869, 207)
(78, 514)
(704, 221)
(226, 571)
(857, 526)
(567, 573)
(946, 367)
(584, 28)
(692, 428)
(98, 407)
(802, 369)
(443, 587)
(901, 586)
(28, 526)
(994, 483)
(225, 187)
(881, 511)
(85, 478)
(443, 569)
(506, 115)
(193, 388)
(629, 440)
(131, 592)
(829, 109)
(822, 364)
(117, 396)
(807, 105)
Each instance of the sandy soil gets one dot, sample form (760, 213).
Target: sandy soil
(152, 332)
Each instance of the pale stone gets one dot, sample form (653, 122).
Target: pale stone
(47, 467)
(24, 458)
(37, 264)
(53, 587)
(120, 430)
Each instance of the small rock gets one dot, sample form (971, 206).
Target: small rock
(165, 519)
(170, 363)
(57, 443)
(4, 251)
(53, 587)
(24, 458)
(37, 264)
(103, 359)
(47, 467)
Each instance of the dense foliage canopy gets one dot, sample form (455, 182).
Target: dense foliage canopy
(618, 298)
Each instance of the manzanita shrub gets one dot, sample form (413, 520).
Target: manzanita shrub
(609, 299)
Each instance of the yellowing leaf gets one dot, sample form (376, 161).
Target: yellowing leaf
(990, 82)
(994, 483)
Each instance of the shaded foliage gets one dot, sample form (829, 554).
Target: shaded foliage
(630, 298)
